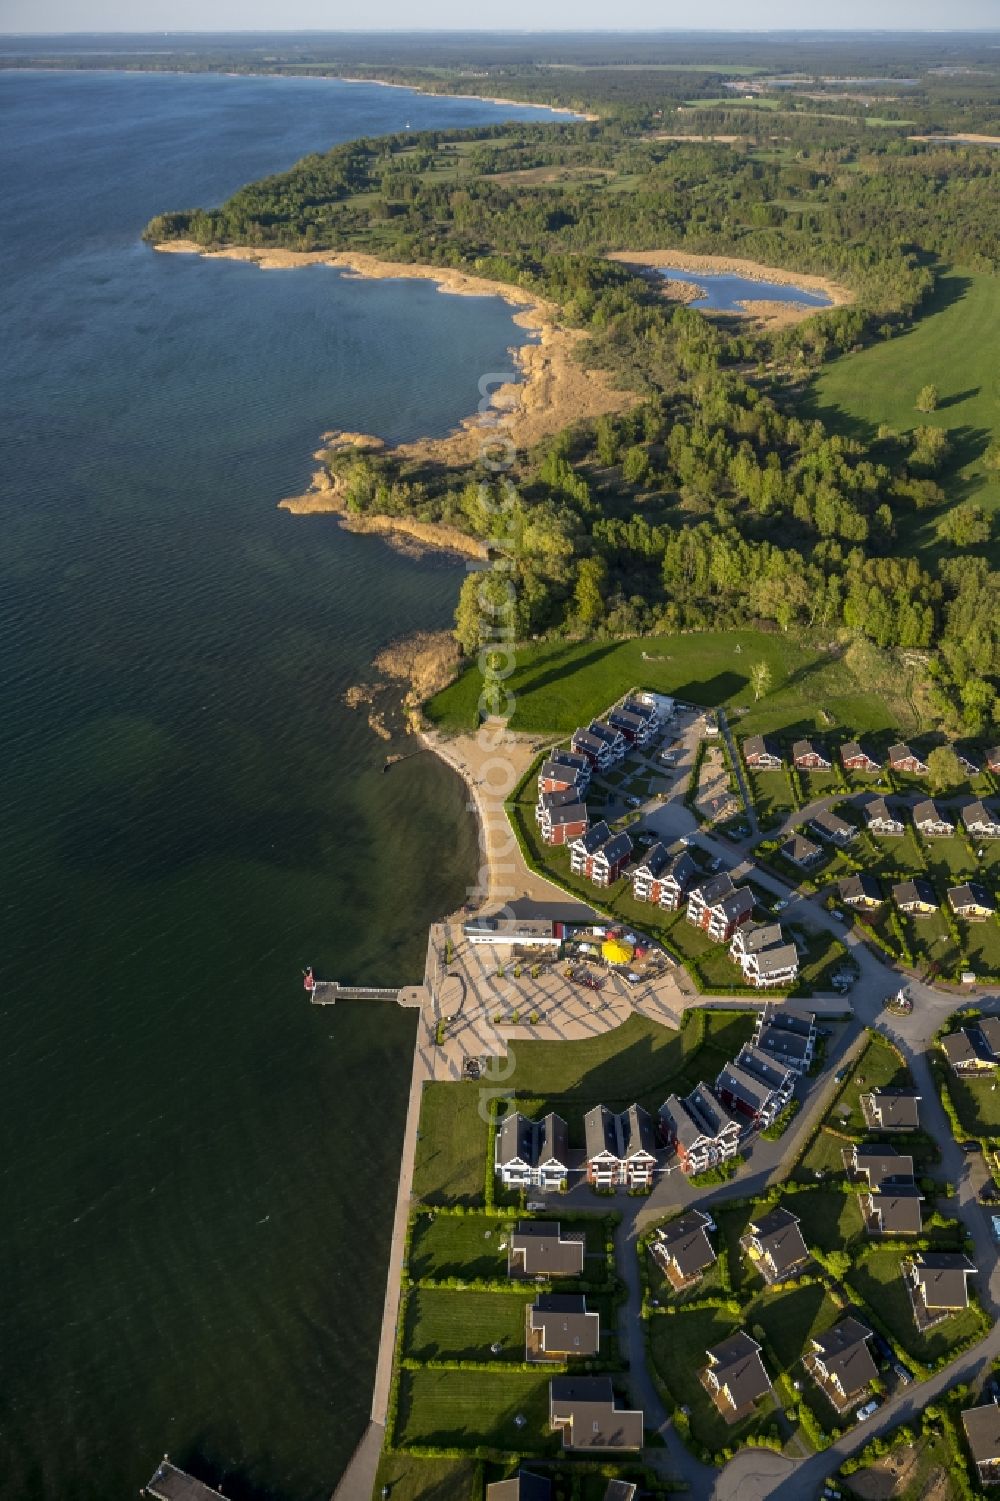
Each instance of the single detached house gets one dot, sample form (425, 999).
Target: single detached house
(982, 1434)
(806, 756)
(891, 1109)
(530, 1154)
(584, 1408)
(980, 821)
(971, 902)
(854, 757)
(931, 823)
(773, 1244)
(683, 1248)
(841, 1363)
(967, 1051)
(800, 850)
(559, 1327)
(893, 1210)
(761, 753)
(831, 828)
(879, 1165)
(939, 1285)
(879, 818)
(719, 908)
(537, 1249)
(901, 758)
(787, 1034)
(735, 1376)
(861, 891)
(993, 758)
(917, 897)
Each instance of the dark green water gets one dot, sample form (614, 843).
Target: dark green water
(198, 1169)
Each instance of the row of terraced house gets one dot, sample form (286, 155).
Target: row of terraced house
(623, 1149)
(764, 754)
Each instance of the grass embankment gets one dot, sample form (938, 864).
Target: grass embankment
(558, 686)
(954, 347)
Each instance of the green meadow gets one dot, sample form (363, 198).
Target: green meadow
(954, 347)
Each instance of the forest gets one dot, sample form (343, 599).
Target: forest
(720, 498)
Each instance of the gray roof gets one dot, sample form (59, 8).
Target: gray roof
(780, 1238)
(917, 890)
(798, 848)
(531, 1141)
(943, 1275)
(739, 1368)
(171, 1484)
(716, 888)
(756, 745)
(899, 1209)
(881, 1163)
(761, 936)
(879, 809)
(572, 811)
(565, 1325)
(988, 1028)
(596, 1422)
(554, 1144)
(595, 838)
(682, 869)
(523, 1487)
(620, 1490)
(853, 888)
(617, 848)
(958, 1047)
(831, 822)
(974, 813)
(762, 1066)
(638, 1132)
(807, 748)
(569, 769)
(845, 1354)
(642, 711)
(686, 1125)
(591, 741)
(686, 1242)
(901, 751)
(738, 1081)
(895, 1107)
(545, 1251)
(604, 732)
(600, 1127)
(982, 1429)
(971, 895)
(927, 812)
(853, 748)
(654, 862)
(707, 1107)
(737, 901)
(785, 1018)
(772, 960)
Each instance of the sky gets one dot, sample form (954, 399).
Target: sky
(575, 15)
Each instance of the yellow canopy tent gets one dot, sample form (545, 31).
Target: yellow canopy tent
(616, 952)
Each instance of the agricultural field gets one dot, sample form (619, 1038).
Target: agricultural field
(557, 686)
(953, 346)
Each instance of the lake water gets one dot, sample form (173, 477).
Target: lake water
(725, 292)
(199, 1169)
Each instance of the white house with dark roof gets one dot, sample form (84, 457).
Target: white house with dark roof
(881, 820)
(879, 1164)
(982, 1434)
(719, 908)
(861, 891)
(831, 828)
(891, 1109)
(755, 1088)
(532, 1154)
(682, 1248)
(841, 1363)
(971, 902)
(939, 1285)
(600, 855)
(774, 1246)
(801, 851)
(621, 1149)
(980, 821)
(892, 1210)
(917, 897)
(601, 745)
(559, 1326)
(699, 1129)
(585, 1410)
(662, 878)
(538, 1248)
(928, 819)
(736, 1377)
(562, 771)
(561, 816)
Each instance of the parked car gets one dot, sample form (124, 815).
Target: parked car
(970, 1146)
(716, 864)
(836, 912)
(902, 1374)
(882, 1346)
(842, 1073)
(633, 802)
(780, 904)
(866, 1411)
(989, 1193)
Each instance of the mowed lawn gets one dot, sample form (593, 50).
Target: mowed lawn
(678, 1343)
(411, 1479)
(877, 1278)
(953, 346)
(468, 1246)
(878, 1067)
(450, 1163)
(557, 687)
(447, 1324)
(466, 1409)
(977, 1103)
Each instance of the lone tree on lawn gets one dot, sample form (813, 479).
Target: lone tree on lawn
(943, 770)
(927, 399)
(760, 679)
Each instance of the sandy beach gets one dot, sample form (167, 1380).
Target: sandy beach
(732, 265)
(415, 88)
(554, 390)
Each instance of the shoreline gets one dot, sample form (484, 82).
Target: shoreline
(551, 389)
(416, 88)
(683, 260)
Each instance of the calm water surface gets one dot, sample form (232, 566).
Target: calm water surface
(725, 292)
(198, 1169)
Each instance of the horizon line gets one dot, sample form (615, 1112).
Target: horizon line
(894, 31)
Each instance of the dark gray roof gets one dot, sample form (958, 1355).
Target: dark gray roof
(604, 732)
(617, 848)
(739, 1368)
(917, 890)
(595, 838)
(678, 1115)
(899, 1209)
(982, 1429)
(518, 1137)
(171, 1484)
(686, 1242)
(974, 813)
(785, 956)
(780, 1238)
(971, 894)
(882, 1163)
(587, 738)
(807, 748)
(831, 822)
(682, 869)
(845, 1354)
(853, 888)
(654, 862)
(596, 1422)
(620, 1490)
(853, 748)
(744, 1085)
(785, 1018)
(759, 936)
(641, 710)
(569, 769)
(797, 847)
(757, 745)
(927, 812)
(713, 890)
(523, 1487)
(896, 1107)
(988, 1028)
(958, 1047)
(637, 1131)
(762, 1066)
(565, 1324)
(943, 1276)
(558, 799)
(545, 1251)
(740, 900)
(900, 751)
(554, 1143)
(706, 1106)
(600, 1127)
(879, 809)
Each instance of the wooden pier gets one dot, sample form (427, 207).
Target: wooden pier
(171, 1484)
(328, 992)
